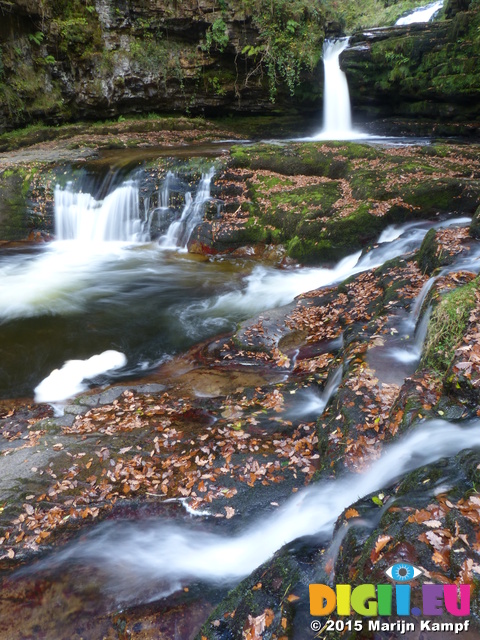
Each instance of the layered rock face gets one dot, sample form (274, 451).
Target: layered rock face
(63, 59)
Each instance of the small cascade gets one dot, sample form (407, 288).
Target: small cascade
(315, 404)
(78, 216)
(179, 231)
(413, 350)
(420, 14)
(159, 217)
(418, 304)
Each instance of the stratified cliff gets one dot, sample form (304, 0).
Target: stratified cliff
(70, 59)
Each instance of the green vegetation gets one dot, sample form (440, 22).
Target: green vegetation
(277, 55)
(291, 34)
(217, 36)
(447, 327)
(35, 133)
(422, 67)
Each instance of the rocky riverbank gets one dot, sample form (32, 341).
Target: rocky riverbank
(299, 395)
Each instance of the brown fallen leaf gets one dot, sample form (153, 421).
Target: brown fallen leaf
(269, 617)
(379, 545)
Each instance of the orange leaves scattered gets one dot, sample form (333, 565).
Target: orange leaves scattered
(470, 508)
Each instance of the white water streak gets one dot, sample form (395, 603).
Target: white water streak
(169, 555)
(179, 232)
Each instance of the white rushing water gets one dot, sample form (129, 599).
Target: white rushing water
(63, 278)
(179, 232)
(421, 14)
(164, 556)
(66, 382)
(266, 288)
(337, 115)
(93, 236)
(79, 217)
(311, 403)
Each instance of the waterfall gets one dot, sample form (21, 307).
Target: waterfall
(78, 216)
(420, 14)
(179, 231)
(337, 116)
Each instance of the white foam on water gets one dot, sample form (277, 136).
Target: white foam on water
(66, 382)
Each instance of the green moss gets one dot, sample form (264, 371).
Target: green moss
(310, 159)
(35, 133)
(426, 65)
(475, 225)
(427, 255)
(296, 210)
(447, 326)
(278, 577)
(434, 195)
(14, 186)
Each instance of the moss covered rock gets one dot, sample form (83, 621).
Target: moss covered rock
(429, 68)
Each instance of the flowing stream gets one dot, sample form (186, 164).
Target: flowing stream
(104, 287)
(104, 302)
(159, 557)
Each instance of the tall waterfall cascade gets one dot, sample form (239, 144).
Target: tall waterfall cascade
(337, 113)
(421, 14)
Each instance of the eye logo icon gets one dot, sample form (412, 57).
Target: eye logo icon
(402, 572)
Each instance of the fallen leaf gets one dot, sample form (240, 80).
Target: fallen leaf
(351, 513)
